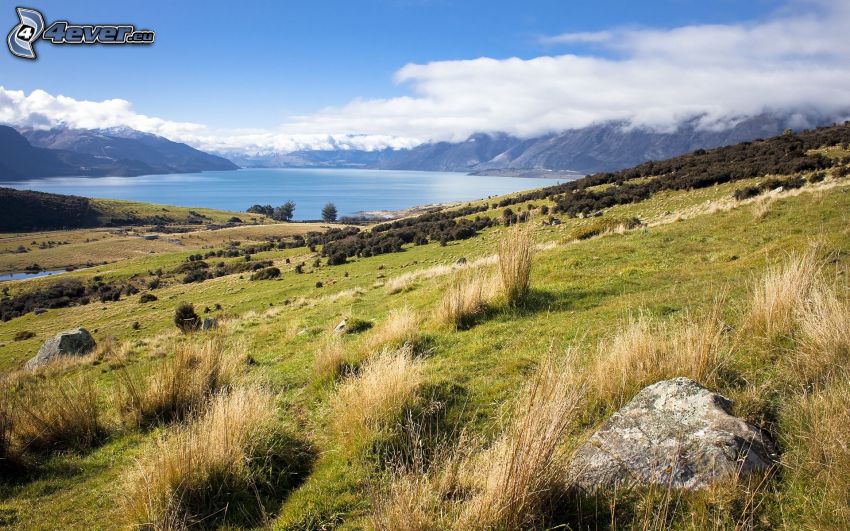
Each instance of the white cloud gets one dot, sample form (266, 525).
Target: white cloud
(795, 60)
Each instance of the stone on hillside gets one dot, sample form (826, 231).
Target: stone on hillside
(77, 342)
(673, 433)
(461, 261)
(340, 328)
(209, 323)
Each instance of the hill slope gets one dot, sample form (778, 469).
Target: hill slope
(360, 439)
(114, 152)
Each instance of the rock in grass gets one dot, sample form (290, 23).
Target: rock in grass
(209, 323)
(673, 433)
(77, 342)
(340, 328)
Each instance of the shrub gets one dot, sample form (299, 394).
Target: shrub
(337, 259)
(198, 275)
(516, 249)
(212, 467)
(147, 297)
(369, 404)
(268, 273)
(180, 384)
(185, 317)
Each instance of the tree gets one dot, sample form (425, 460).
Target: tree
(329, 212)
(284, 212)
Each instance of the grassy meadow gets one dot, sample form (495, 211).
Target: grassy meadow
(455, 401)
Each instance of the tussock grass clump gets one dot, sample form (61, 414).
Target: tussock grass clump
(507, 485)
(524, 470)
(823, 346)
(762, 205)
(400, 328)
(466, 299)
(181, 383)
(368, 404)
(400, 284)
(817, 459)
(779, 296)
(424, 491)
(516, 250)
(63, 414)
(331, 358)
(209, 467)
(645, 352)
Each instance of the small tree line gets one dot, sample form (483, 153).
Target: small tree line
(286, 211)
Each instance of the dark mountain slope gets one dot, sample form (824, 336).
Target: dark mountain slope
(128, 147)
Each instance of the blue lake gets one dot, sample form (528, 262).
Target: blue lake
(352, 190)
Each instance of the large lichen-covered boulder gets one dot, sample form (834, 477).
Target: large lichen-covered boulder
(77, 342)
(673, 433)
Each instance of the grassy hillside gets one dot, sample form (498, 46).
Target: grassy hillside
(406, 420)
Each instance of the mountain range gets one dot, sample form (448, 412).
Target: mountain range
(603, 147)
(30, 153)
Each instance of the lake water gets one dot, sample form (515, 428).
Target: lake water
(26, 275)
(352, 190)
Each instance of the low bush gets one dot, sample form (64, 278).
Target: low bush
(268, 273)
(185, 317)
(147, 297)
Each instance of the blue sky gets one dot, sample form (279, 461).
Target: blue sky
(278, 76)
(254, 65)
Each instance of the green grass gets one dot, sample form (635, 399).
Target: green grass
(580, 292)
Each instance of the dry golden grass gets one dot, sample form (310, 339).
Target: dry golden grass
(817, 460)
(505, 486)
(400, 284)
(645, 352)
(194, 471)
(371, 402)
(423, 492)
(823, 345)
(331, 358)
(779, 295)
(59, 414)
(521, 473)
(516, 250)
(401, 327)
(181, 383)
(762, 204)
(466, 299)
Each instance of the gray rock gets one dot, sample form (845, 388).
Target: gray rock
(340, 328)
(77, 342)
(39, 311)
(209, 323)
(461, 261)
(673, 433)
